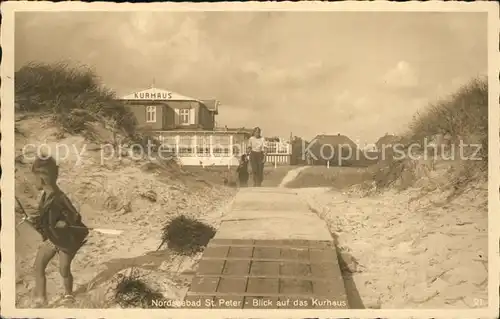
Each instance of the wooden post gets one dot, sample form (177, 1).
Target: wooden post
(194, 145)
(230, 151)
(211, 145)
(231, 140)
(177, 141)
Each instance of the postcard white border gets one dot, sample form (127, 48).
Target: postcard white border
(7, 279)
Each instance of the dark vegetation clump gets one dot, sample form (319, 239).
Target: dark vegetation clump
(132, 292)
(463, 117)
(73, 95)
(186, 236)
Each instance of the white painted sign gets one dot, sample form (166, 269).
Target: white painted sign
(157, 94)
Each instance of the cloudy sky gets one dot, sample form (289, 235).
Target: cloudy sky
(359, 74)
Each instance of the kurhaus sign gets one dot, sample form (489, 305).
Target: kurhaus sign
(153, 95)
(156, 94)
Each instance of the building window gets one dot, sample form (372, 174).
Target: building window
(151, 114)
(203, 145)
(184, 116)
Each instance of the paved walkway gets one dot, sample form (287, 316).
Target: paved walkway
(271, 213)
(270, 252)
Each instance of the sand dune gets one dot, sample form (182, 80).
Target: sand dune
(412, 253)
(133, 195)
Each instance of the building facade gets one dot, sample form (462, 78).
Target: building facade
(187, 127)
(158, 110)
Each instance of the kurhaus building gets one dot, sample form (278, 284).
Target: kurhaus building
(188, 127)
(160, 110)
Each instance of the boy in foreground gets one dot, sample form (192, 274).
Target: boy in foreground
(61, 227)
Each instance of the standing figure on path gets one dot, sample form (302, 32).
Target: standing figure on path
(257, 150)
(61, 227)
(242, 171)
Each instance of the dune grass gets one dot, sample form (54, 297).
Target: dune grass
(73, 95)
(463, 117)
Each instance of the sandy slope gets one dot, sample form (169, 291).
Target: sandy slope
(412, 253)
(291, 175)
(128, 194)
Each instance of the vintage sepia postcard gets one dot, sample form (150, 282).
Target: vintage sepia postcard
(250, 160)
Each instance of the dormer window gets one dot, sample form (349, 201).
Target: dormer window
(184, 116)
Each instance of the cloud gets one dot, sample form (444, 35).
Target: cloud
(283, 71)
(401, 76)
(295, 76)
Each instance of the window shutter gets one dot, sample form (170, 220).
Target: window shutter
(176, 116)
(192, 118)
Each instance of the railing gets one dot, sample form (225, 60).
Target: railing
(214, 146)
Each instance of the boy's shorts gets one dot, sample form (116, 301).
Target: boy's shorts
(49, 244)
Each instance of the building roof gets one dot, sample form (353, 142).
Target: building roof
(234, 130)
(334, 140)
(157, 94)
(387, 140)
(199, 131)
(212, 105)
(325, 147)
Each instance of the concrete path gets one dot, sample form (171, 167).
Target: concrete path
(271, 251)
(271, 214)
